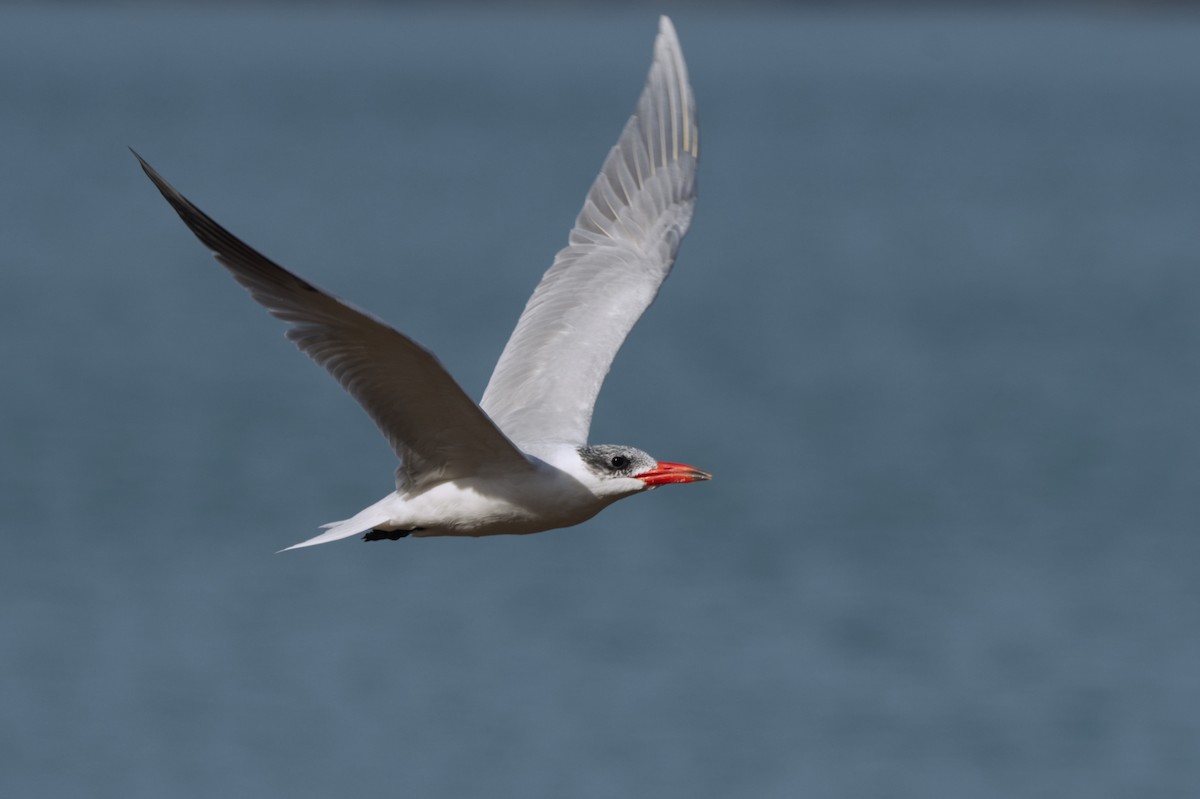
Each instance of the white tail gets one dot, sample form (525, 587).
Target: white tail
(364, 520)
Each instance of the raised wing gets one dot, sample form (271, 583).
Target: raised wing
(434, 427)
(621, 249)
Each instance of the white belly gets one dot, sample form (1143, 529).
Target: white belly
(481, 506)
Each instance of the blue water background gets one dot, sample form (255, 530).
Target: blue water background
(936, 331)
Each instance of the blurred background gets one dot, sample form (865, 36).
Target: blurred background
(934, 331)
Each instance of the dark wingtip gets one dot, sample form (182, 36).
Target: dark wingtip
(222, 243)
(233, 253)
(149, 170)
(168, 191)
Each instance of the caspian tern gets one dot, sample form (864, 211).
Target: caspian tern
(517, 462)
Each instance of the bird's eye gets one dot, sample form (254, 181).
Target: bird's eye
(619, 461)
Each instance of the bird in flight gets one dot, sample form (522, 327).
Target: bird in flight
(518, 461)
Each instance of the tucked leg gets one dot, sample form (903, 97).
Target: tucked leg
(389, 535)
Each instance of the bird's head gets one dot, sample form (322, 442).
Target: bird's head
(621, 470)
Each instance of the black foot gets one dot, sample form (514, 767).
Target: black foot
(389, 535)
